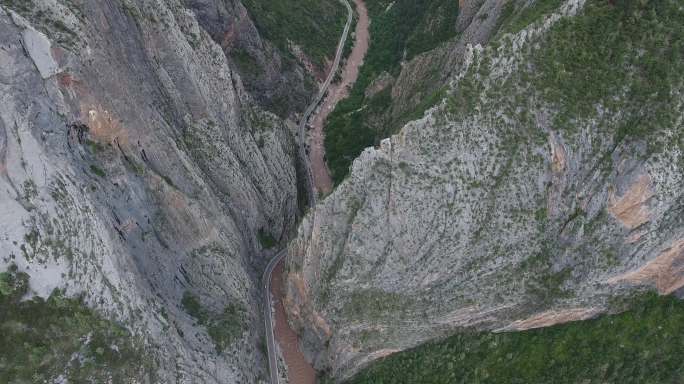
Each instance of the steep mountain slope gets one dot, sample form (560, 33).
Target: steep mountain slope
(546, 180)
(61, 338)
(640, 345)
(279, 49)
(416, 46)
(135, 169)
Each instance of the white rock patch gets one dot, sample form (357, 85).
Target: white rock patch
(38, 47)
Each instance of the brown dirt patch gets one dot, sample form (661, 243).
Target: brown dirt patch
(298, 305)
(103, 126)
(631, 208)
(549, 318)
(557, 154)
(299, 370)
(666, 271)
(635, 237)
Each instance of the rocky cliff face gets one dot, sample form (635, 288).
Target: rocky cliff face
(543, 184)
(136, 169)
(278, 83)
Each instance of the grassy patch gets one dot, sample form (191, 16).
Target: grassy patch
(643, 345)
(375, 304)
(223, 328)
(266, 239)
(97, 171)
(45, 339)
(623, 57)
(245, 62)
(513, 19)
(315, 25)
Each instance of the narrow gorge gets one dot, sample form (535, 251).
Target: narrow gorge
(486, 191)
(539, 185)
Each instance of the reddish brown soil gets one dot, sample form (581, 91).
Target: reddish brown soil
(299, 370)
(337, 92)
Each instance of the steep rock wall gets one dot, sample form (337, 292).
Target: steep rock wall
(134, 169)
(502, 208)
(278, 83)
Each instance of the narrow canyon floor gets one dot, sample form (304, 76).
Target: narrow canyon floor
(299, 370)
(337, 91)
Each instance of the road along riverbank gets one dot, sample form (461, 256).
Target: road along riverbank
(336, 92)
(278, 330)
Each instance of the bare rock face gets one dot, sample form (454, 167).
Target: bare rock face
(38, 47)
(486, 213)
(277, 83)
(134, 167)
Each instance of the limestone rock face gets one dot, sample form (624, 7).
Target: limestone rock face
(486, 213)
(38, 47)
(134, 167)
(277, 83)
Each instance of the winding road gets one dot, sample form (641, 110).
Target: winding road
(266, 278)
(309, 110)
(268, 316)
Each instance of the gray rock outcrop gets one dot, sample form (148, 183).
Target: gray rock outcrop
(488, 213)
(135, 167)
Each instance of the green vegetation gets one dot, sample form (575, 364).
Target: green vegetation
(49, 24)
(643, 345)
(616, 68)
(245, 62)
(223, 328)
(399, 30)
(194, 308)
(513, 19)
(402, 29)
(315, 25)
(266, 239)
(598, 65)
(18, 5)
(97, 171)
(13, 284)
(94, 146)
(50, 242)
(622, 57)
(44, 339)
(227, 327)
(30, 190)
(375, 304)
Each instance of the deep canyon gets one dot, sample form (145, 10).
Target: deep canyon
(498, 186)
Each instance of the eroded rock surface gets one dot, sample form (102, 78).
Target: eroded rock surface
(488, 213)
(135, 168)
